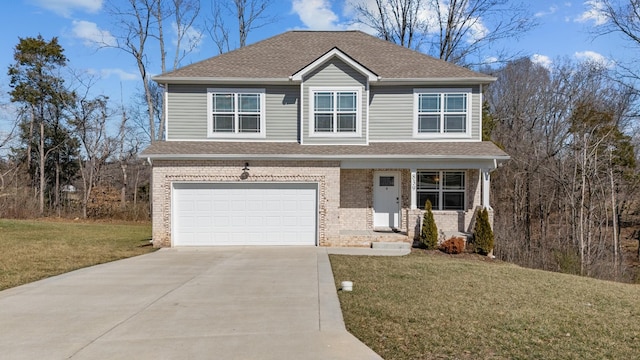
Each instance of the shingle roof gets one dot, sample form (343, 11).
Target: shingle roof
(290, 150)
(283, 55)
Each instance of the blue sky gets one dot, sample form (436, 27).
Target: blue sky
(562, 33)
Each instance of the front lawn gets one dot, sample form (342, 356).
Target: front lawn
(432, 306)
(36, 249)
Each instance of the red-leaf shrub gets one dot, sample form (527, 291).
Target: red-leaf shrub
(454, 245)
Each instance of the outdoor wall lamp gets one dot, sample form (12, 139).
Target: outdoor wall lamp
(245, 171)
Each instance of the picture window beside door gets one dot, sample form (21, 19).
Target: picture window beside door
(387, 180)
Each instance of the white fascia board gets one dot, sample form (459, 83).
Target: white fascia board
(411, 157)
(335, 52)
(437, 81)
(422, 164)
(217, 80)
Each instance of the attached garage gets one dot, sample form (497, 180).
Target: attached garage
(205, 214)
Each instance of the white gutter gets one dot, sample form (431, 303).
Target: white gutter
(324, 157)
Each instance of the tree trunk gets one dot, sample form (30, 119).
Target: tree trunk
(123, 190)
(42, 177)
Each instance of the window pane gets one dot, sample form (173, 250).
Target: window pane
(428, 123)
(346, 122)
(223, 123)
(429, 103)
(323, 123)
(347, 101)
(249, 124)
(323, 101)
(453, 200)
(431, 196)
(455, 102)
(249, 102)
(428, 180)
(223, 103)
(455, 123)
(387, 180)
(453, 181)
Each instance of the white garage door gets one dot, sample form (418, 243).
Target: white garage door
(244, 214)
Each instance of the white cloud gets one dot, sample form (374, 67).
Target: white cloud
(594, 12)
(192, 39)
(121, 74)
(594, 57)
(541, 60)
(316, 14)
(91, 34)
(66, 7)
(552, 10)
(477, 31)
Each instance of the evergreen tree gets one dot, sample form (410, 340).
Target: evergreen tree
(429, 232)
(483, 235)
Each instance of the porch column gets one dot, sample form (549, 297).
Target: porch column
(414, 185)
(486, 185)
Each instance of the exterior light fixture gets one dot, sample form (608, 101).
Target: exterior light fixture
(245, 171)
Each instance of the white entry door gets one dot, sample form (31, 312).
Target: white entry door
(386, 199)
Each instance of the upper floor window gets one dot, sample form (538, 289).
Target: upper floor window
(334, 112)
(445, 189)
(236, 112)
(441, 112)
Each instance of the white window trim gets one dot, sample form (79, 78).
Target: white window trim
(442, 134)
(311, 122)
(236, 134)
(441, 191)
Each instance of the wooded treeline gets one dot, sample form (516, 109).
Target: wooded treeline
(566, 201)
(572, 180)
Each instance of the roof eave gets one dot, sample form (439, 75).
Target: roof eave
(436, 81)
(499, 158)
(217, 80)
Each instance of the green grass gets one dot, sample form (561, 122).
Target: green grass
(431, 306)
(33, 250)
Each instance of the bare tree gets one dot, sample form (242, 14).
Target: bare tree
(141, 21)
(622, 17)
(137, 22)
(455, 30)
(398, 21)
(90, 125)
(251, 15)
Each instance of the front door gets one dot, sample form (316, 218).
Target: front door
(386, 199)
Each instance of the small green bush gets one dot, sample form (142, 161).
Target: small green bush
(429, 232)
(482, 233)
(454, 245)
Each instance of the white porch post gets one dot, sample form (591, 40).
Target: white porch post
(414, 185)
(486, 185)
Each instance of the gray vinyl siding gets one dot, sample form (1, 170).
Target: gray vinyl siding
(187, 109)
(476, 113)
(339, 74)
(391, 112)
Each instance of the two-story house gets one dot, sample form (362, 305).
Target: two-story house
(331, 138)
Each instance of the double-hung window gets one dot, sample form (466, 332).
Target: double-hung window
(441, 112)
(445, 189)
(335, 112)
(236, 112)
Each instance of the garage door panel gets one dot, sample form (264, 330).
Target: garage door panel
(244, 214)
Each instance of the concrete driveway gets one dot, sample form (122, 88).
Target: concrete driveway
(193, 303)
